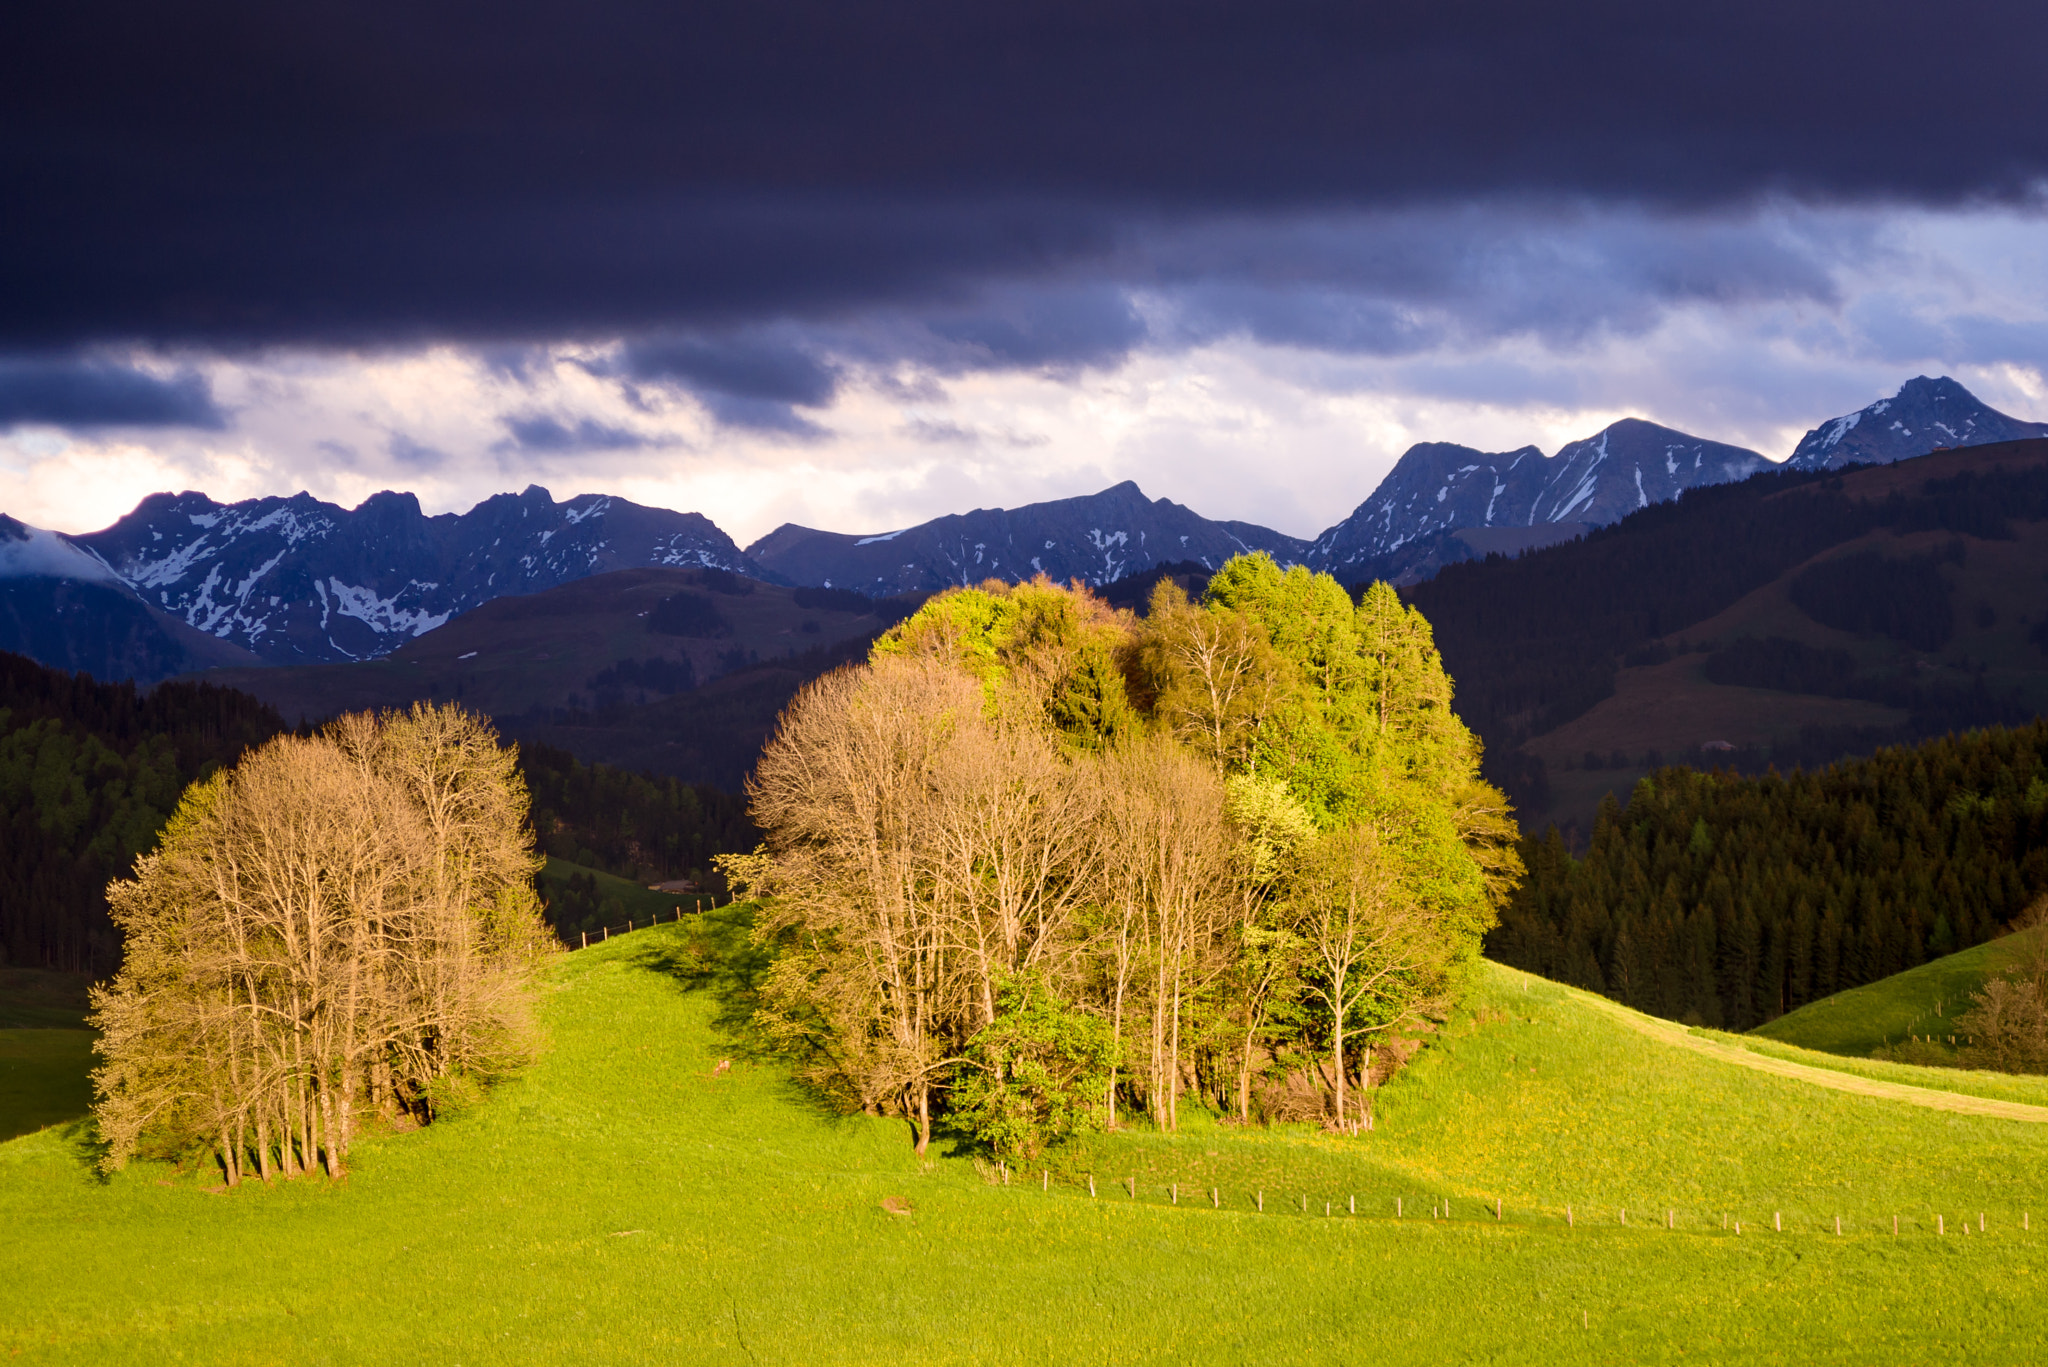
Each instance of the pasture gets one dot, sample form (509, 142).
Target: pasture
(627, 1200)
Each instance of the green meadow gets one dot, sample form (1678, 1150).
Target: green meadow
(627, 1200)
(1921, 1001)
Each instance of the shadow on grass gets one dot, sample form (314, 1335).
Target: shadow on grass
(716, 954)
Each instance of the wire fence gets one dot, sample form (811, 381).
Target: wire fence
(587, 938)
(1474, 1210)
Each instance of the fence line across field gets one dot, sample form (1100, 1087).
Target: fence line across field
(1935, 1222)
(604, 933)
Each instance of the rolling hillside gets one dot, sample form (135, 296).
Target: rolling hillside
(1795, 618)
(629, 1201)
(1921, 1001)
(599, 667)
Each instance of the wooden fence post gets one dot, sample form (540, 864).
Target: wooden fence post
(1091, 1184)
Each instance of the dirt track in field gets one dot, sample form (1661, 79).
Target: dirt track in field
(1670, 1032)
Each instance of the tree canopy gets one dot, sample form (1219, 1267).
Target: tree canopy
(342, 922)
(1238, 832)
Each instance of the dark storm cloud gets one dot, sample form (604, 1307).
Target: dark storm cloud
(1399, 283)
(747, 382)
(86, 394)
(1056, 328)
(414, 455)
(744, 369)
(541, 433)
(241, 173)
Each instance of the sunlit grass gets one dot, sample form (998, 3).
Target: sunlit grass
(1922, 1001)
(626, 1201)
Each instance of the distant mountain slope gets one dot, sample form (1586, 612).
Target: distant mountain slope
(1795, 618)
(1923, 416)
(296, 580)
(625, 636)
(1437, 490)
(61, 605)
(1098, 539)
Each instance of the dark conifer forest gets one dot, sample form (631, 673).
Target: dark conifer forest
(1729, 900)
(89, 773)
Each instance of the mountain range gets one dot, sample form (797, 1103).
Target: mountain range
(184, 583)
(1098, 539)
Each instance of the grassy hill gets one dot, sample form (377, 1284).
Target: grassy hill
(627, 1201)
(1921, 1001)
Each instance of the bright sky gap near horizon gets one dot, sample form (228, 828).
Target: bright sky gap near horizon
(855, 270)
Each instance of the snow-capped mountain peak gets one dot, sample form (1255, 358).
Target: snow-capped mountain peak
(1925, 415)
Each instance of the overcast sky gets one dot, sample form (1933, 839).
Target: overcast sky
(859, 265)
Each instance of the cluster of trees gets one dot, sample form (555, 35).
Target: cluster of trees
(88, 774)
(1932, 706)
(1729, 900)
(610, 685)
(1904, 597)
(1042, 861)
(343, 923)
(688, 614)
(2006, 1027)
(91, 772)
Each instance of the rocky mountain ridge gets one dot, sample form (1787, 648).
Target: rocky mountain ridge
(1438, 490)
(1097, 539)
(295, 580)
(1925, 415)
(184, 582)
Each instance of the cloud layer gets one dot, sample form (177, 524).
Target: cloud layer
(382, 172)
(860, 265)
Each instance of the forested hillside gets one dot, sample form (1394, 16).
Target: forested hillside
(1538, 641)
(88, 774)
(637, 825)
(1730, 900)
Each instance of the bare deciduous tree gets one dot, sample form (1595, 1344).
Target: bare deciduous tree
(341, 920)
